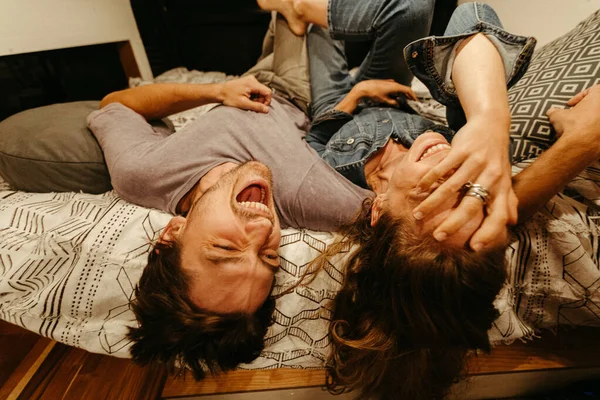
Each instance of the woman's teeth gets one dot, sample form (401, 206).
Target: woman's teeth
(254, 204)
(434, 149)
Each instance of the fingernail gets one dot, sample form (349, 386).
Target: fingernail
(440, 236)
(478, 246)
(418, 215)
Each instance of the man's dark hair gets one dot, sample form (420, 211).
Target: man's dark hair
(174, 331)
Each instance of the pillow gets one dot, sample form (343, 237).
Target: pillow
(50, 149)
(557, 72)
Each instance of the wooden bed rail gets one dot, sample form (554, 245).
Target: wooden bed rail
(34, 367)
(570, 348)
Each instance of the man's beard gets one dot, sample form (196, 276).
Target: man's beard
(226, 181)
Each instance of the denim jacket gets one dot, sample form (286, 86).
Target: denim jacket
(352, 139)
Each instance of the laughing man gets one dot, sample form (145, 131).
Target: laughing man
(232, 178)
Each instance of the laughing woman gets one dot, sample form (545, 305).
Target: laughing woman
(429, 261)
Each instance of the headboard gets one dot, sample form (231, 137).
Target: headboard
(28, 26)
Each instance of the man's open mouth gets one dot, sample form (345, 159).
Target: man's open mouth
(255, 197)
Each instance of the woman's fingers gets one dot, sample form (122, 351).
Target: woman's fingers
(447, 189)
(468, 209)
(405, 90)
(391, 101)
(493, 231)
(513, 207)
(408, 92)
(439, 171)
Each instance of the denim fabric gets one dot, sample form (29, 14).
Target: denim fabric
(431, 59)
(346, 141)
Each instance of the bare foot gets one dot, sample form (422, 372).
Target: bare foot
(286, 8)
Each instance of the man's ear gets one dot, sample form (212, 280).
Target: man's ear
(172, 231)
(376, 209)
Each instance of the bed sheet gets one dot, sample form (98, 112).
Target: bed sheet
(69, 263)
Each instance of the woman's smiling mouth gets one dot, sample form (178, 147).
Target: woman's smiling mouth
(434, 149)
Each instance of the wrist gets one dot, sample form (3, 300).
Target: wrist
(217, 92)
(350, 102)
(359, 91)
(497, 122)
(585, 145)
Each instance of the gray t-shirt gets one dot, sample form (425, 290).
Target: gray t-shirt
(156, 170)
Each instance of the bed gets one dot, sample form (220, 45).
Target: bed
(69, 261)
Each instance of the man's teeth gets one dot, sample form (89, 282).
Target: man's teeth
(254, 204)
(262, 195)
(434, 149)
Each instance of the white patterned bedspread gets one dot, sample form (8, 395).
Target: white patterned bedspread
(69, 263)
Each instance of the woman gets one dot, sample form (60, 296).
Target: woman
(415, 299)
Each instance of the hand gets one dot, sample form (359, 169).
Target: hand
(246, 93)
(480, 155)
(384, 91)
(581, 123)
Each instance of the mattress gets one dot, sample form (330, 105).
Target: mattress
(69, 263)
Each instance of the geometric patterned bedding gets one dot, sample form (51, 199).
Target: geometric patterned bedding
(69, 263)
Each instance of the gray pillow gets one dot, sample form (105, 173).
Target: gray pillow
(50, 149)
(557, 72)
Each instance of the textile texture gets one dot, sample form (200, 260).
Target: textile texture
(557, 72)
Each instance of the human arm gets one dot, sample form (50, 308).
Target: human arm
(381, 91)
(377, 90)
(161, 100)
(578, 145)
(479, 149)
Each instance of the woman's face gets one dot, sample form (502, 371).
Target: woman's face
(400, 199)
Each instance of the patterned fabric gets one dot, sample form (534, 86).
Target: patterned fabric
(558, 71)
(555, 272)
(69, 263)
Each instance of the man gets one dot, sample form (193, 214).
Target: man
(233, 177)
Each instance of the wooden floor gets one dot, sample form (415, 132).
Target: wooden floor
(33, 367)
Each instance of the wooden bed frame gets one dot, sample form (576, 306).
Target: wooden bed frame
(37, 367)
(37, 25)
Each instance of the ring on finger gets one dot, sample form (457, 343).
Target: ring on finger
(477, 191)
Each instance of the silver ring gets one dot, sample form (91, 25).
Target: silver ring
(477, 191)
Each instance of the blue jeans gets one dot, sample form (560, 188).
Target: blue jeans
(389, 24)
(396, 29)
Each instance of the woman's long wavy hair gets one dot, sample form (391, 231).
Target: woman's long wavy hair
(409, 310)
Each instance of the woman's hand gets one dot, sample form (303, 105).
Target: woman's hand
(246, 93)
(380, 91)
(384, 91)
(479, 155)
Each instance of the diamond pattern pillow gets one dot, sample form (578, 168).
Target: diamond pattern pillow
(557, 72)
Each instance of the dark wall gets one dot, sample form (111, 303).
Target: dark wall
(209, 35)
(218, 35)
(58, 76)
(222, 35)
